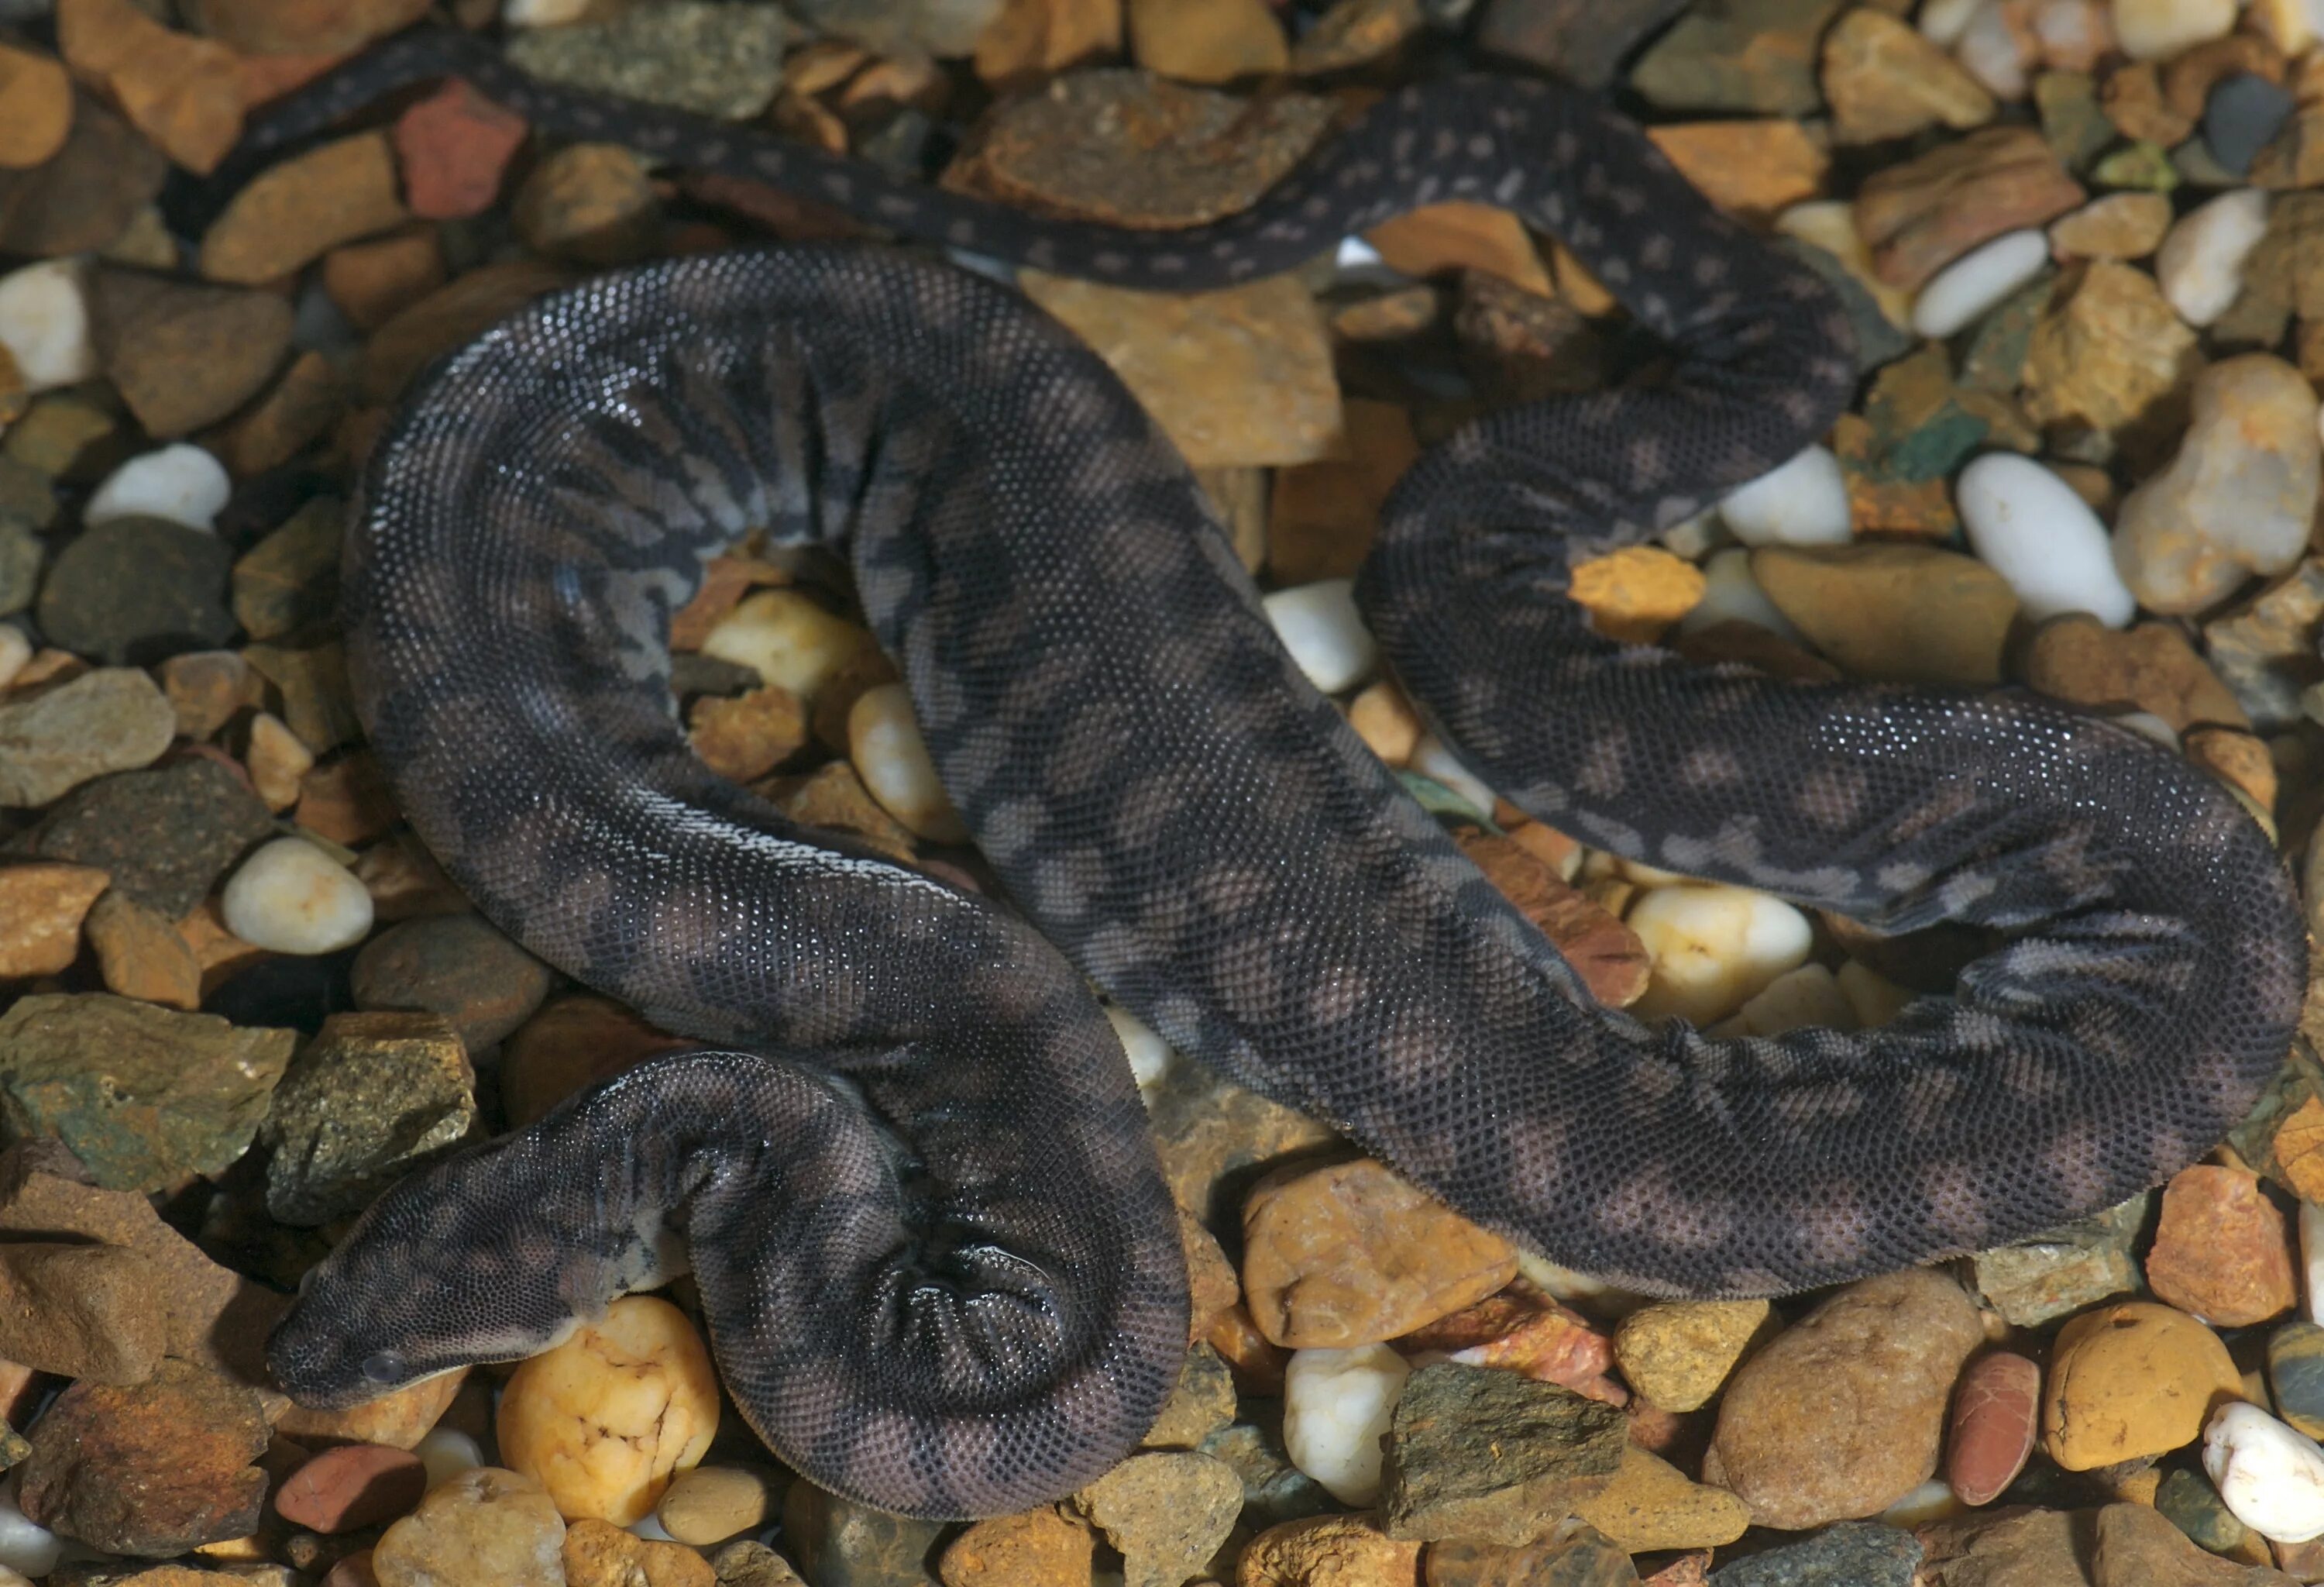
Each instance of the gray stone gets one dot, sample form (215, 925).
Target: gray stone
(723, 61)
(2046, 1276)
(138, 590)
(1492, 1456)
(1853, 1554)
(838, 1543)
(164, 836)
(1757, 56)
(20, 565)
(370, 1098)
(1581, 40)
(114, 719)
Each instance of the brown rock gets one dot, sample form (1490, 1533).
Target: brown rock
(1884, 79)
(1523, 1330)
(1166, 1513)
(590, 203)
(1841, 1415)
(2130, 1381)
(455, 966)
(141, 955)
(347, 801)
(598, 1553)
(1677, 1353)
(1991, 1432)
(747, 736)
(2148, 668)
(399, 1420)
(1328, 1551)
(2134, 1546)
(1605, 954)
(2134, 102)
(183, 92)
(80, 198)
(276, 760)
(448, 318)
(576, 1041)
(1239, 376)
(304, 27)
(207, 690)
(373, 281)
(1322, 515)
(152, 1469)
(1039, 1548)
(487, 1524)
(89, 1312)
(1652, 1505)
(1206, 41)
(1349, 1254)
(2119, 226)
(2241, 760)
(300, 210)
(42, 907)
(2261, 649)
(1459, 235)
(1576, 1554)
(2011, 1547)
(1895, 613)
(2111, 355)
(1921, 216)
(1355, 33)
(710, 1504)
(1490, 1456)
(1029, 40)
(2222, 1251)
(725, 580)
(184, 356)
(453, 147)
(1751, 169)
(35, 107)
(301, 407)
(353, 1486)
(1210, 1278)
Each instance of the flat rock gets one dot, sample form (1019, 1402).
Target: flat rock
(2130, 1381)
(453, 148)
(143, 1096)
(1492, 1456)
(718, 60)
(90, 1312)
(2136, 1547)
(1996, 1407)
(1166, 1513)
(2223, 1251)
(111, 719)
(1884, 79)
(1579, 41)
(1573, 1554)
(1920, 216)
(1039, 1548)
(372, 1097)
(164, 836)
(291, 577)
(1853, 1554)
(2110, 355)
(1678, 1352)
(137, 590)
(185, 356)
(1748, 55)
(182, 91)
(1891, 612)
(295, 212)
(1652, 1505)
(41, 907)
(484, 1525)
(2059, 1271)
(2150, 667)
(353, 1486)
(35, 107)
(455, 965)
(81, 197)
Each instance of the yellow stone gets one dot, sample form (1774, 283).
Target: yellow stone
(42, 907)
(605, 1420)
(1753, 169)
(1893, 613)
(2132, 1380)
(1461, 236)
(35, 107)
(143, 956)
(304, 208)
(1652, 1504)
(1677, 1353)
(1635, 593)
(1207, 41)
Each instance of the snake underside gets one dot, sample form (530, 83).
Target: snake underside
(918, 1193)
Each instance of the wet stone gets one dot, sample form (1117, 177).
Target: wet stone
(598, 1553)
(1203, 1403)
(455, 965)
(2187, 1502)
(1920, 216)
(2110, 355)
(2131, 1380)
(1492, 1456)
(82, 196)
(2059, 1271)
(1273, 1491)
(2295, 1372)
(1165, 1514)
(724, 61)
(185, 356)
(2263, 648)
(136, 590)
(2222, 1250)
(353, 1486)
(113, 719)
(746, 1564)
(164, 836)
(1991, 1431)
(1579, 41)
(291, 577)
(152, 1469)
(313, 682)
(839, 1543)
(1749, 55)
(41, 907)
(1573, 1554)
(484, 1524)
(372, 1096)
(1853, 1554)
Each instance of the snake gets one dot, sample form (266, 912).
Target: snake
(908, 1169)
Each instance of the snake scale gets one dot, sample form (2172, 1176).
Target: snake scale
(937, 1259)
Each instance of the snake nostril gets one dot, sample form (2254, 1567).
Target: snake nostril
(383, 1367)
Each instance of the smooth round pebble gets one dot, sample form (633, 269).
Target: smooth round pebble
(1987, 49)
(447, 1452)
(180, 482)
(2129, 1380)
(2201, 265)
(1801, 503)
(1997, 1407)
(290, 897)
(15, 649)
(1977, 280)
(488, 1525)
(892, 757)
(2156, 30)
(44, 324)
(1713, 948)
(1149, 1055)
(1730, 594)
(2030, 527)
(605, 1420)
(353, 1485)
(1434, 760)
(787, 639)
(24, 1547)
(1336, 1404)
(2272, 1478)
(710, 1504)
(1318, 624)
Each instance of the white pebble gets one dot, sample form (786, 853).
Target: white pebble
(2271, 1477)
(1149, 1055)
(2044, 541)
(787, 639)
(1434, 760)
(1977, 280)
(1943, 21)
(892, 757)
(1802, 502)
(24, 1547)
(1730, 594)
(1988, 49)
(2311, 1258)
(1318, 624)
(180, 482)
(15, 649)
(2155, 30)
(291, 898)
(1713, 947)
(44, 324)
(447, 1453)
(2201, 265)
(1336, 1404)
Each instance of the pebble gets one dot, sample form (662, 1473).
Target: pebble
(744, 737)
(1853, 1554)
(1328, 1551)
(2156, 30)
(2239, 497)
(353, 1486)
(25, 1548)
(1893, 613)
(1753, 170)
(1713, 947)
(445, 1452)
(185, 356)
(2295, 1372)
(1336, 1404)
(208, 688)
(591, 204)
(112, 719)
(1206, 41)
(1842, 1412)
(2106, 353)
(2222, 1251)
(723, 61)
(290, 897)
(606, 1418)
(2119, 226)
(1349, 1254)
(486, 1525)
(371, 1096)
(1996, 1406)
(2030, 527)
(2271, 1477)
(286, 27)
(1492, 1456)
(42, 907)
(745, 1563)
(890, 755)
(143, 1096)
(1920, 216)
(1652, 1505)
(1754, 55)
(291, 579)
(789, 640)
(1959, 295)
(135, 590)
(2130, 1381)
(152, 1469)
(1318, 624)
(453, 148)
(1884, 79)
(277, 761)
(181, 483)
(89, 1312)
(15, 651)
(36, 108)
(457, 966)
(44, 314)
(710, 1504)
(1201, 1402)
(2201, 265)
(1166, 1514)
(83, 196)
(598, 1553)
(2187, 1499)
(2242, 117)
(842, 1543)
(296, 211)
(1677, 1353)
(1730, 594)
(400, 1419)
(1522, 1330)
(1802, 502)
(2152, 668)
(164, 836)
(182, 91)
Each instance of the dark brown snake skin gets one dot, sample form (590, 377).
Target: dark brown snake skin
(937, 1262)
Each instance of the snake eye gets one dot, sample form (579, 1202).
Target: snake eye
(383, 1367)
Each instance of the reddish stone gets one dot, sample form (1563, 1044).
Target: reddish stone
(2222, 1250)
(1995, 1408)
(1524, 1331)
(154, 1469)
(354, 1485)
(454, 146)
